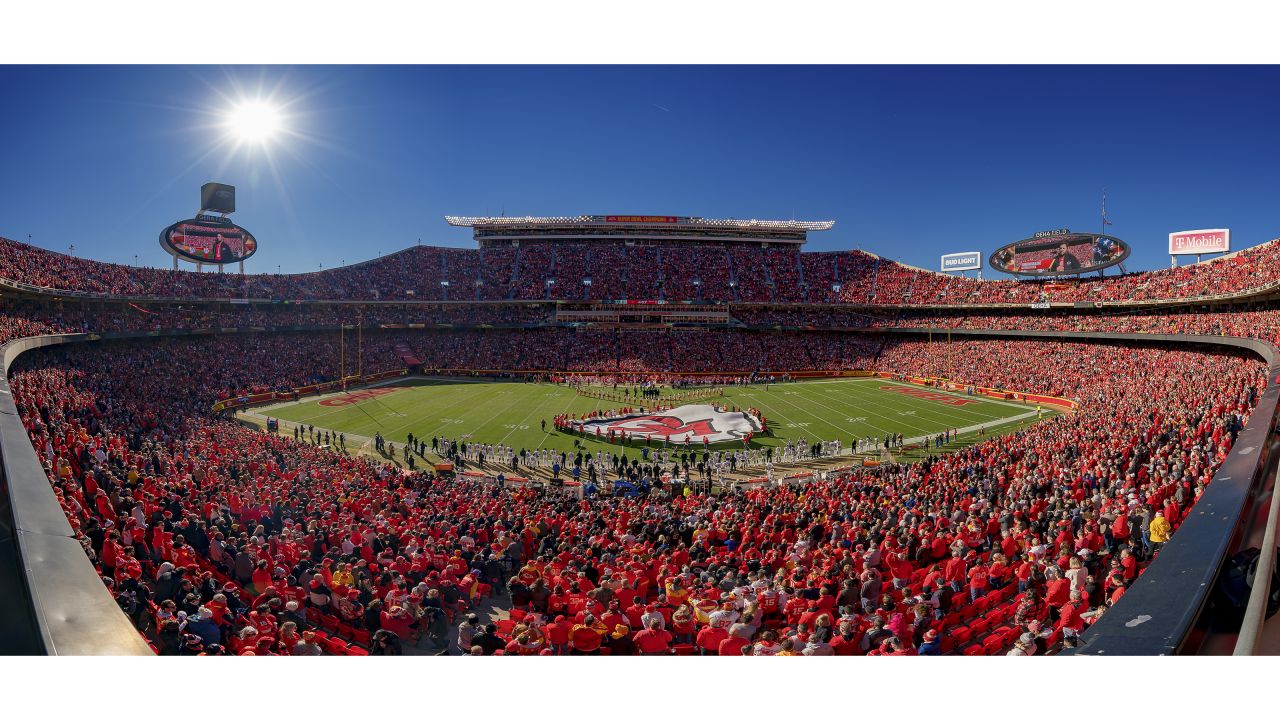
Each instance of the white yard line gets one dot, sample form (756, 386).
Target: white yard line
(994, 422)
(954, 393)
(957, 409)
(979, 426)
(546, 436)
(532, 412)
(845, 431)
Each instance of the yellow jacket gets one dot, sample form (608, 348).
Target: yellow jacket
(1159, 529)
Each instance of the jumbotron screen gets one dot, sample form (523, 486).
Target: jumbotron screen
(1069, 253)
(208, 240)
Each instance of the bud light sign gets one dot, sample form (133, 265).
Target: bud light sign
(956, 262)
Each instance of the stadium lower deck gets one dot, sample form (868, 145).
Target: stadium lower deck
(214, 537)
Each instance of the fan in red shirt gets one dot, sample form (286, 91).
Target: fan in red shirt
(709, 639)
(557, 633)
(956, 571)
(586, 637)
(979, 582)
(397, 620)
(732, 646)
(653, 640)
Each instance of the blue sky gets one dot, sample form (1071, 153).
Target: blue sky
(910, 162)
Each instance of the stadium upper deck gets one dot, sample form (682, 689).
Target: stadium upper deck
(729, 263)
(491, 231)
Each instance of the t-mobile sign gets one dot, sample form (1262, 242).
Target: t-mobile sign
(1199, 242)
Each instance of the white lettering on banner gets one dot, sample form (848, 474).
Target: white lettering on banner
(962, 261)
(1052, 233)
(1197, 242)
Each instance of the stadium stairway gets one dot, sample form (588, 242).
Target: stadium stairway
(515, 275)
(800, 274)
(444, 273)
(768, 275)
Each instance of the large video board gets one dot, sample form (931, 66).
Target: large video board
(1066, 253)
(208, 239)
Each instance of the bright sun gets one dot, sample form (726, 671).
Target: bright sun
(255, 122)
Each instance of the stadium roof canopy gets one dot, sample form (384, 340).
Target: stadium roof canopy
(656, 227)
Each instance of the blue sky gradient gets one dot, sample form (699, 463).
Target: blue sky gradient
(910, 162)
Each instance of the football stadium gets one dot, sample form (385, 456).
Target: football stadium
(620, 435)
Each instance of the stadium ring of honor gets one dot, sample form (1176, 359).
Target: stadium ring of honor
(1061, 252)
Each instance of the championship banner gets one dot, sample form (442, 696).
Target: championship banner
(1200, 242)
(663, 219)
(687, 423)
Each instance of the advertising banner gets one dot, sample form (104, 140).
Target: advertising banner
(955, 262)
(1200, 242)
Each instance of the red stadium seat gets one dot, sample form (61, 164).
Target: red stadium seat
(993, 645)
(333, 646)
(979, 626)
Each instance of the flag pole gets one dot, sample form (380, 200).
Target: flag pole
(1105, 223)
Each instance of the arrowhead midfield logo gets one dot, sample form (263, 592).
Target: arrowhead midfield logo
(694, 422)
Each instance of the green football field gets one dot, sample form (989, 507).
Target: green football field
(511, 413)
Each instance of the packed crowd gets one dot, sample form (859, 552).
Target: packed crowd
(218, 539)
(626, 349)
(541, 347)
(675, 272)
(1260, 321)
(26, 319)
(1257, 320)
